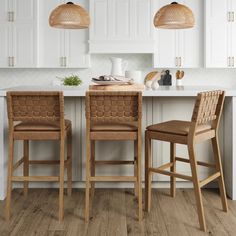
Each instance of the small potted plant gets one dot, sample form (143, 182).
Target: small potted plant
(72, 80)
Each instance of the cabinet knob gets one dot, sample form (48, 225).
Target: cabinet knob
(180, 61)
(229, 16)
(11, 16)
(232, 18)
(11, 61)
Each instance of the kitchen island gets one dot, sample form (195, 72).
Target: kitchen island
(159, 105)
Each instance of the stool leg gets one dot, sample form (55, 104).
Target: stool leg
(9, 177)
(69, 164)
(173, 169)
(135, 168)
(88, 174)
(26, 165)
(197, 188)
(92, 165)
(148, 174)
(139, 163)
(61, 179)
(216, 150)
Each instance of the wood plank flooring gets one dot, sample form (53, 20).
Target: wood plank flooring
(114, 213)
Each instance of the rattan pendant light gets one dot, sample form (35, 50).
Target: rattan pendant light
(174, 16)
(69, 16)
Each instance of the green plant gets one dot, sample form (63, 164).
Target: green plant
(72, 80)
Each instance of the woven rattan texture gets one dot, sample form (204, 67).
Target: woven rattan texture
(206, 106)
(38, 107)
(113, 107)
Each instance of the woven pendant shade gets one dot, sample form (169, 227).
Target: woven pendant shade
(69, 16)
(174, 16)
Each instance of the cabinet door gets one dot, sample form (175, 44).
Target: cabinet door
(24, 46)
(4, 9)
(233, 34)
(217, 33)
(121, 23)
(76, 49)
(5, 34)
(166, 45)
(24, 33)
(5, 45)
(51, 40)
(76, 45)
(99, 19)
(190, 41)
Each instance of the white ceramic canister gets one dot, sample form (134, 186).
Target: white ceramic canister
(136, 75)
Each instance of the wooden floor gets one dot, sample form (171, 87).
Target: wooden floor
(115, 213)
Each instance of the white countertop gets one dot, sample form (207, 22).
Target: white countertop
(162, 91)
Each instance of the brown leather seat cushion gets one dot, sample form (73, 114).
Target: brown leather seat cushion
(177, 127)
(114, 127)
(40, 126)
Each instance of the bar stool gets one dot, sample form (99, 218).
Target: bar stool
(113, 116)
(38, 116)
(203, 126)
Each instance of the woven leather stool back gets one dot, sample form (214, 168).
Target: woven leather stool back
(208, 107)
(35, 106)
(113, 107)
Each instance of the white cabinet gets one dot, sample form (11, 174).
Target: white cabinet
(180, 48)
(220, 35)
(121, 26)
(58, 47)
(18, 33)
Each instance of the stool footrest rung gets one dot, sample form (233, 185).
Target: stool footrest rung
(201, 163)
(35, 178)
(46, 162)
(172, 174)
(209, 179)
(114, 162)
(113, 179)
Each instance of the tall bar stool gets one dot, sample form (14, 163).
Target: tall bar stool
(113, 116)
(38, 116)
(203, 126)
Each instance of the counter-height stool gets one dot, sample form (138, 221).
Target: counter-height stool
(113, 116)
(203, 126)
(38, 116)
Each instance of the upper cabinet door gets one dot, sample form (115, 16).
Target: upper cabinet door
(166, 44)
(121, 23)
(5, 34)
(76, 45)
(165, 55)
(121, 26)
(99, 19)
(190, 45)
(51, 40)
(18, 32)
(24, 32)
(233, 33)
(217, 40)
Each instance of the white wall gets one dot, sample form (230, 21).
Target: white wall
(101, 65)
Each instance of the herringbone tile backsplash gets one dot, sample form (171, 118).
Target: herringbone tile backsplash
(101, 65)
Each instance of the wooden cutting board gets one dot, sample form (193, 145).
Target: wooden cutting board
(128, 87)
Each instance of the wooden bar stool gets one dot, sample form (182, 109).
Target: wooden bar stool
(113, 116)
(203, 126)
(38, 116)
